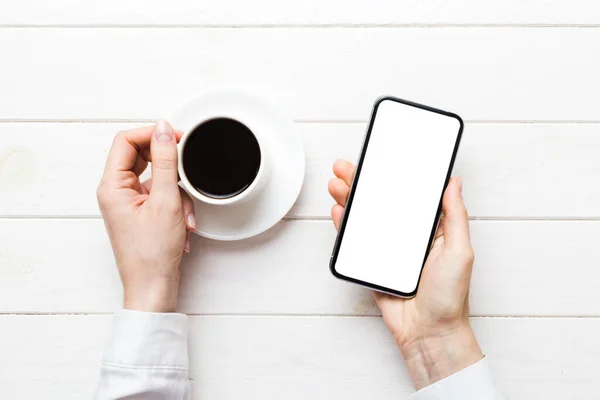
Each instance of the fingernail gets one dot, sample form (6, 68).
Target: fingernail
(163, 131)
(191, 220)
(459, 179)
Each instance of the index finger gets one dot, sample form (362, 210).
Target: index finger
(125, 149)
(127, 146)
(344, 170)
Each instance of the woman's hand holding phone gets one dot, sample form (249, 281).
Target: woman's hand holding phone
(432, 329)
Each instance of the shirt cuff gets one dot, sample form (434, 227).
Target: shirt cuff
(472, 383)
(151, 340)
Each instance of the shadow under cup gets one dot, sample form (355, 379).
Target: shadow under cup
(221, 158)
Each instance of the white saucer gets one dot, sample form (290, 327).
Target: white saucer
(286, 156)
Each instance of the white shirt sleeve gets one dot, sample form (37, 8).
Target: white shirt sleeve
(472, 383)
(146, 358)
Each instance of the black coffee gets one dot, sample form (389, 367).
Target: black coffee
(221, 158)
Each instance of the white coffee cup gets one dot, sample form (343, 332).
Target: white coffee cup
(246, 194)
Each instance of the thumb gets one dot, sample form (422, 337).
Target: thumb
(456, 220)
(163, 151)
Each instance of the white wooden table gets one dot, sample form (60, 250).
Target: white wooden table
(267, 319)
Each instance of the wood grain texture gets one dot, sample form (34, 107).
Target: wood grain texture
(509, 170)
(309, 12)
(522, 268)
(317, 74)
(58, 357)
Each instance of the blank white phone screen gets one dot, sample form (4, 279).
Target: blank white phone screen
(397, 194)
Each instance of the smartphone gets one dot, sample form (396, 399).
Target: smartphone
(395, 200)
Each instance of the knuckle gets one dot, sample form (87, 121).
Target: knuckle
(128, 179)
(464, 212)
(449, 309)
(101, 192)
(465, 254)
(105, 195)
(172, 207)
(120, 136)
(454, 309)
(167, 201)
(165, 206)
(164, 161)
(470, 256)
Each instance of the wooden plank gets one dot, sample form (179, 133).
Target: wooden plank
(522, 268)
(299, 357)
(509, 170)
(309, 12)
(317, 74)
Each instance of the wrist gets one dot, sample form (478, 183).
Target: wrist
(158, 297)
(435, 357)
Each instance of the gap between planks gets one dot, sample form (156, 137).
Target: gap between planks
(298, 121)
(291, 315)
(320, 219)
(291, 26)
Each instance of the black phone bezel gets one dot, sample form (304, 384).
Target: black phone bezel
(354, 185)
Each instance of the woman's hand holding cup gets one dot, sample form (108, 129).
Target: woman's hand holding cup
(149, 222)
